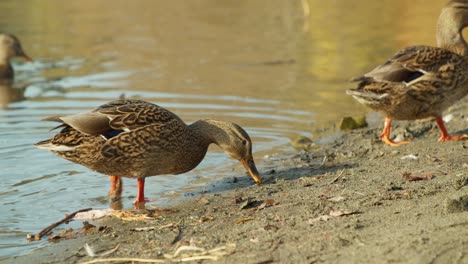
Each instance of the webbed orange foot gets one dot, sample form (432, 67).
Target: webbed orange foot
(392, 143)
(385, 136)
(444, 135)
(444, 138)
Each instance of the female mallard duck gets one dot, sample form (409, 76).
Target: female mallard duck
(421, 81)
(137, 139)
(9, 47)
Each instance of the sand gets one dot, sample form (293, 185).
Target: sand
(349, 199)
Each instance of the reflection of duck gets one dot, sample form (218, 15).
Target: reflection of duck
(9, 93)
(421, 81)
(9, 47)
(137, 139)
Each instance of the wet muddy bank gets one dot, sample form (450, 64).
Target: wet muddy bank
(350, 200)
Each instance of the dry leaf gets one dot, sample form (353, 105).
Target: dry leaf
(246, 203)
(203, 201)
(342, 213)
(271, 227)
(336, 199)
(267, 203)
(205, 219)
(92, 214)
(417, 177)
(243, 220)
(320, 218)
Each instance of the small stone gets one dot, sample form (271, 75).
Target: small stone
(461, 182)
(350, 123)
(302, 143)
(457, 202)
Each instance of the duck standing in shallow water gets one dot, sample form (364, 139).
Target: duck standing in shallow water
(137, 139)
(421, 81)
(9, 47)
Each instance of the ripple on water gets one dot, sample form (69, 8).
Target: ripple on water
(38, 188)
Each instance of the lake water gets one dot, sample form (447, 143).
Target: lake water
(278, 68)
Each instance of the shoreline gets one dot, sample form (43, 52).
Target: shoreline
(365, 202)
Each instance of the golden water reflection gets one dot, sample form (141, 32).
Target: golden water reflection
(272, 66)
(226, 47)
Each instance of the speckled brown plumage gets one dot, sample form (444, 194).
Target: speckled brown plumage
(421, 81)
(137, 139)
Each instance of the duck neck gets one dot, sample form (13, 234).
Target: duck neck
(6, 71)
(209, 131)
(450, 25)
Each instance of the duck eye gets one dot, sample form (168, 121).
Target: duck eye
(244, 142)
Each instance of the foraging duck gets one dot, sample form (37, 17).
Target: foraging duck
(421, 81)
(137, 139)
(10, 47)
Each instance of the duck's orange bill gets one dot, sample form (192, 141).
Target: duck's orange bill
(249, 164)
(26, 58)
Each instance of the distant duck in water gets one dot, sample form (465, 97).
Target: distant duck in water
(137, 139)
(9, 47)
(421, 81)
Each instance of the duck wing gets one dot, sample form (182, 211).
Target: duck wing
(410, 65)
(116, 116)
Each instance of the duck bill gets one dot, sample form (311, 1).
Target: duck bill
(26, 58)
(249, 165)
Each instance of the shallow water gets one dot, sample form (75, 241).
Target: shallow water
(278, 68)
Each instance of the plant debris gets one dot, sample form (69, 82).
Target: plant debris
(267, 203)
(181, 254)
(140, 215)
(410, 157)
(203, 201)
(92, 214)
(46, 230)
(336, 199)
(243, 220)
(150, 228)
(91, 253)
(332, 214)
(417, 177)
(245, 203)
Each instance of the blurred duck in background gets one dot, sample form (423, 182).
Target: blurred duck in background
(10, 47)
(421, 81)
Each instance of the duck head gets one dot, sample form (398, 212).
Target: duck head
(452, 20)
(236, 143)
(10, 47)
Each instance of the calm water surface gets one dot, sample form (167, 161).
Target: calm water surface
(278, 68)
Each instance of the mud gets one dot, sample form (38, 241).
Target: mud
(350, 199)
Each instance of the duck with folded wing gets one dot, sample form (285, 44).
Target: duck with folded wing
(421, 81)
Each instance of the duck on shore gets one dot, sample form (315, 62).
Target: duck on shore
(421, 81)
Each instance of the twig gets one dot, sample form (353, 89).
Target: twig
(124, 259)
(178, 236)
(337, 177)
(91, 253)
(46, 230)
(325, 159)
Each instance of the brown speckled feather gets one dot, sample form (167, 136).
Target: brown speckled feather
(138, 134)
(421, 81)
(137, 139)
(417, 82)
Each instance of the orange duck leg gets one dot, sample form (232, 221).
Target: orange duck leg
(140, 201)
(115, 191)
(385, 136)
(444, 135)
